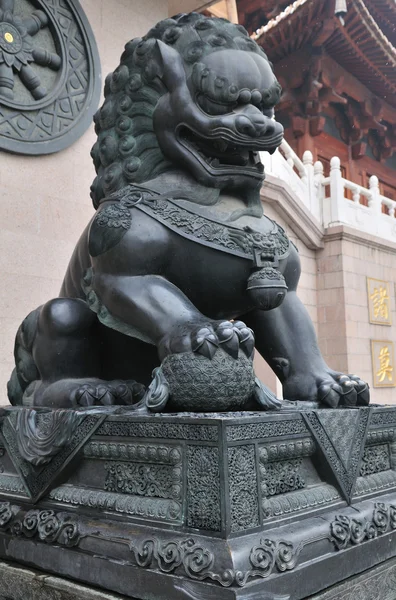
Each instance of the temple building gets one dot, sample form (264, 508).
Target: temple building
(336, 63)
(331, 185)
(334, 180)
(339, 81)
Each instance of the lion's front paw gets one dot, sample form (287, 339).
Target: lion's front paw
(330, 388)
(343, 390)
(207, 338)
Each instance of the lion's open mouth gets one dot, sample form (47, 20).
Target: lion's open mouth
(222, 154)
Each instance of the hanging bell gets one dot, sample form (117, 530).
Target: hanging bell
(341, 7)
(266, 287)
(341, 10)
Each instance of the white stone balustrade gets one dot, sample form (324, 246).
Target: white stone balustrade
(338, 209)
(307, 181)
(289, 168)
(296, 173)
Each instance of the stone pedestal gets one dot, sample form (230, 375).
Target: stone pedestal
(378, 583)
(22, 583)
(247, 506)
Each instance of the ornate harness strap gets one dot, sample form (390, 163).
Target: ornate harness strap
(245, 243)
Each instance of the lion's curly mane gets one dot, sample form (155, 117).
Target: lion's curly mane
(127, 150)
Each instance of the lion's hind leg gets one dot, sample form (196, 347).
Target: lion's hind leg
(65, 353)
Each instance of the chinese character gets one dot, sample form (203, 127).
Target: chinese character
(380, 303)
(386, 369)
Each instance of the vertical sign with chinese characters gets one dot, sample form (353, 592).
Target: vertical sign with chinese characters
(379, 301)
(383, 363)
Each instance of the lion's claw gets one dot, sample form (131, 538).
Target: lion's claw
(329, 394)
(204, 342)
(362, 390)
(246, 338)
(105, 395)
(228, 338)
(86, 395)
(235, 336)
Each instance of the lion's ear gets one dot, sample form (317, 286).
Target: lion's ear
(171, 66)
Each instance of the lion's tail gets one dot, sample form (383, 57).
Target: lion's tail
(25, 371)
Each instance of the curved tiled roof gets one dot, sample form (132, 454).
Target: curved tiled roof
(384, 12)
(283, 15)
(359, 45)
(365, 51)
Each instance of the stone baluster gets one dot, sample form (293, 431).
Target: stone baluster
(318, 176)
(289, 157)
(309, 180)
(374, 202)
(375, 198)
(307, 177)
(319, 190)
(356, 195)
(337, 198)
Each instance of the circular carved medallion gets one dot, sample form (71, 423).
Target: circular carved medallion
(49, 75)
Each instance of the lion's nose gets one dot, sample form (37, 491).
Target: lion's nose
(255, 125)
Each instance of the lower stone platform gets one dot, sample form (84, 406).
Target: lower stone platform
(378, 583)
(18, 583)
(248, 506)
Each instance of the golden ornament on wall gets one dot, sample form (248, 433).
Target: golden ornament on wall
(382, 354)
(379, 301)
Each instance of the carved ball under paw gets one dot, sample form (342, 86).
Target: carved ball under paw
(200, 384)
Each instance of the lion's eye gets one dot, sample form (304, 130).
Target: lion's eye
(213, 108)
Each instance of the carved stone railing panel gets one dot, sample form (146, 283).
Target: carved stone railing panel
(348, 203)
(286, 165)
(363, 209)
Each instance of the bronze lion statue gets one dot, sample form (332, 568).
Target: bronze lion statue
(179, 275)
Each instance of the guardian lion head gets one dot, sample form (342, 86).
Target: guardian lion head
(195, 94)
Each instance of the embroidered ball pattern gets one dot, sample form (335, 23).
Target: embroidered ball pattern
(222, 383)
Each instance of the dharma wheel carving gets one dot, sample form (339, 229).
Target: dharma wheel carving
(49, 75)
